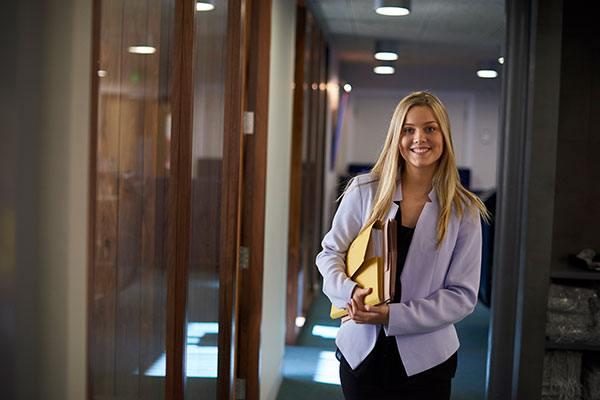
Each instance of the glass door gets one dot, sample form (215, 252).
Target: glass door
(131, 142)
(166, 145)
(207, 267)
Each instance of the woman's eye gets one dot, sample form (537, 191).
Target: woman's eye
(408, 130)
(430, 129)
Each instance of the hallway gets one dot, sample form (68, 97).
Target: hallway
(170, 169)
(310, 369)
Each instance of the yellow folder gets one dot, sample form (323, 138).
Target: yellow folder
(368, 273)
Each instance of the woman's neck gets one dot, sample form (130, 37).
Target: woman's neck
(416, 183)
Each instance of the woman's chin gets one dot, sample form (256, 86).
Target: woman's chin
(422, 164)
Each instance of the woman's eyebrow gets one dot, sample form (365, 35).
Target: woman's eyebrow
(424, 123)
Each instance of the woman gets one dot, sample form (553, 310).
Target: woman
(407, 349)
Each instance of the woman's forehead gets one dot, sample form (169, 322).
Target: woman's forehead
(419, 115)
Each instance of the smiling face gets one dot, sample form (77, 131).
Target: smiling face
(421, 140)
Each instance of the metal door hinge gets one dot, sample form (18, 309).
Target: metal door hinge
(248, 122)
(240, 389)
(244, 257)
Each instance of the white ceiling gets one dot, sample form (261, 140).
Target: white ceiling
(437, 33)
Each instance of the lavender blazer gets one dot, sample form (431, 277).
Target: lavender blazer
(439, 286)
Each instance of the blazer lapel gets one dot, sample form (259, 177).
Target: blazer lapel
(391, 214)
(422, 254)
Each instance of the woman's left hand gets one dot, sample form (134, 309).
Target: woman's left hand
(362, 314)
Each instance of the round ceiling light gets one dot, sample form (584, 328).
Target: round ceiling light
(384, 70)
(386, 50)
(205, 5)
(392, 8)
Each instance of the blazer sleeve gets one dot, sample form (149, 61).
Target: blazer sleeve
(331, 263)
(456, 299)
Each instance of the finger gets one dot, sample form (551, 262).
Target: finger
(360, 292)
(358, 306)
(373, 309)
(367, 317)
(363, 294)
(361, 315)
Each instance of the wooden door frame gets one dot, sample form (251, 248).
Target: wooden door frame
(179, 200)
(254, 195)
(92, 173)
(233, 157)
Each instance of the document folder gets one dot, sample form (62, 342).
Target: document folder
(370, 262)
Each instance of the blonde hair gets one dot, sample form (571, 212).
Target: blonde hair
(446, 181)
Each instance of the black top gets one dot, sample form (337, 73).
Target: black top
(384, 355)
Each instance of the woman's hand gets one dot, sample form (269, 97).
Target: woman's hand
(362, 314)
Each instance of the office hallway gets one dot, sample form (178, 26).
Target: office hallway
(311, 370)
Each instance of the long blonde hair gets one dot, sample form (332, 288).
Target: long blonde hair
(446, 181)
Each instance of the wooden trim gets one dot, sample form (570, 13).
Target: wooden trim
(321, 167)
(253, 208)
(231, 197)
(96, 25)
(294, 230)
(179, 198)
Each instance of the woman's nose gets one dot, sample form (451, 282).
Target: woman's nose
(419, 135)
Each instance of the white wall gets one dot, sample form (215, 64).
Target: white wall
(272, 342)
(63, 199)
(474, 121)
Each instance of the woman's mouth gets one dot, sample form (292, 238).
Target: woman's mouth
(420, 150)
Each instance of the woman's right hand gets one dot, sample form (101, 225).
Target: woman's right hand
(359, 295)
(363, 314)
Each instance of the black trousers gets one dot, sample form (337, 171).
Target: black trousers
(382, 376)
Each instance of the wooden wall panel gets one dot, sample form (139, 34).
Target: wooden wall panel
(203, 301)
(105, 265)
(294, 234)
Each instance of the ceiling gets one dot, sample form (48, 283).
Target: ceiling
(437, 33)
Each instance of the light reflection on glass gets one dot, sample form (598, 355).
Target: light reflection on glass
(324, 331)
(201, 360)
(327, 370)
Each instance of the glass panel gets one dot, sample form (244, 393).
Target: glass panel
(133, 145)
(207, 157)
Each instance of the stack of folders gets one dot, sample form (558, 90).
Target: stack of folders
(371, 262)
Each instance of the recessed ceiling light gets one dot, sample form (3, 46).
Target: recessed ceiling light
(386, 50)
(501, 60)
(300, 321)
(386, 56)
(205, 5)
(141, 49)
(384, 70)
(487, 73)
(347, 88)
(393, 8)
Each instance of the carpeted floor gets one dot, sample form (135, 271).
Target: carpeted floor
(310, 369)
